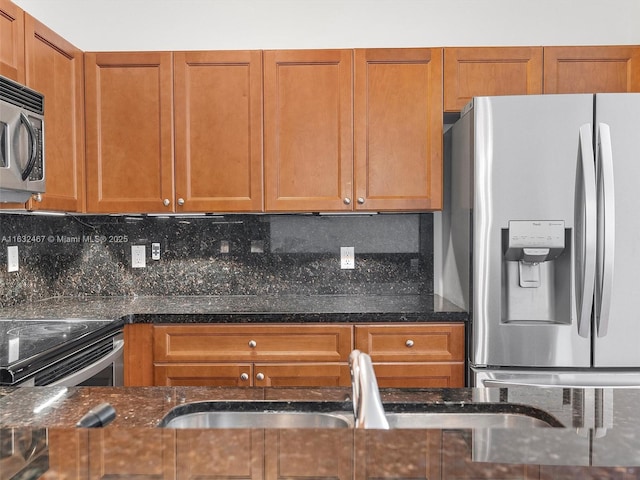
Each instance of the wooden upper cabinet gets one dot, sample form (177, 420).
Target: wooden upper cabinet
(218, 131)
(55, 68)
(608, 69)
(398, 129)
(308, 143)
(484, 71)
(129, 132)
(12, 41)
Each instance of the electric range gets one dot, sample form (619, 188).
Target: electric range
(46, 350)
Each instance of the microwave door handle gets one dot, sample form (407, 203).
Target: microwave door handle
(33, 146)
(607, 235)
(586, 259)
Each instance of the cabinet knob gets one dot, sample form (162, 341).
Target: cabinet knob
(181, 201)
(409, 343)
(361, 200)
(244, 377)
(252, 343)
(166, 202)
(260, 376)
(37, 197)
(347, 201)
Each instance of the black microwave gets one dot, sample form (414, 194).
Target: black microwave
(22, 166)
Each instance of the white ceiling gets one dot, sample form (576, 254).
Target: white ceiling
(102, 25)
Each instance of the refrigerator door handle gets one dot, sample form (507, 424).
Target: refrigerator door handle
(606, 230)
(586, 257)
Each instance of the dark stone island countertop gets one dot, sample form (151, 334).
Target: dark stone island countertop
(244, 309)
(599, 437)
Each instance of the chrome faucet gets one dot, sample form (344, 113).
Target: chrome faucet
(367, 405)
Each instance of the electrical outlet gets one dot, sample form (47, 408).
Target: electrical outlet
(155, 251)
(347, 258)
(12, 258)
(138, 254)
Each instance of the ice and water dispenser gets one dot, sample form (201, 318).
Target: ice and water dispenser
(536, 272)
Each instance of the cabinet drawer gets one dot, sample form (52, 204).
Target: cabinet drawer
(203, 375)
(239, 343)
(436, 342)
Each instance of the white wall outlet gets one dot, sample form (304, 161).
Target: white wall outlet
(138, 254)
(155, 251)
(347, 258)
(12, 259)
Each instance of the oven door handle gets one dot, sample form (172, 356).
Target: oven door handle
(90, 370)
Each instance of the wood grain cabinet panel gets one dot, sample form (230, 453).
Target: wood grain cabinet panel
(606, 69)
(12, 63)
(218, 131)
(397, 454)
(308, 130)
(484, 71)
(56, 68)
(111, 455)
(398, 129)
(425, 355)
(129, 131)
(252, 355)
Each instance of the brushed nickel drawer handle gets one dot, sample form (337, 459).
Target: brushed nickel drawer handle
(409, 343)
(252, 343)
(244, 376)
(260, 376)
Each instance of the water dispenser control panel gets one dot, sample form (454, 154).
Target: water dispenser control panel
(535, 241)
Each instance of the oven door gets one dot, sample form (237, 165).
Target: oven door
(98, 364)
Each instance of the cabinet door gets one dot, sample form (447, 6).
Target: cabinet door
(302, 375)
(396, 454)
(608, 69)
(111, 454)
(309, 454)
(420, 375)
(203, 374)
(129, 134)
(218, 453)
(481, 71)
(11, 41)
(398, 129)
(308, 153)
(458, 464)
(68, 449)
(55, 68)
(218, 128)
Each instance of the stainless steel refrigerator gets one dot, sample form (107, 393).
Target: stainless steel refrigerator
(541, 238)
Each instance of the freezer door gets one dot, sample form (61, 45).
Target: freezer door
(531, 162)
(617, 316)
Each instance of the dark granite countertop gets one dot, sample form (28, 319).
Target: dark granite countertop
(600, 437)
(244, 308)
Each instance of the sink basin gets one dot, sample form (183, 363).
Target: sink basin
(258, 415)
(464, 420)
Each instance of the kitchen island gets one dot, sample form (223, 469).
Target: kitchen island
(599, 437)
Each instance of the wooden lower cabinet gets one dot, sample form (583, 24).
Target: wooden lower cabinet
(415, 355)
(256, 375)
(252, 355)
(458, 464)
(395, 454)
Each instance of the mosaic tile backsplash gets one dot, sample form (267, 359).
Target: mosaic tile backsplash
(215, 255)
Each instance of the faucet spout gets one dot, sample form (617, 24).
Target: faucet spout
(367, 404)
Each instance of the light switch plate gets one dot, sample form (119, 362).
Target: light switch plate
(138, 253)
(347, 258)
(12, 258)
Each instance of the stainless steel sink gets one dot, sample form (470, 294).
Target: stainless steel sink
(468, 420)
(259, 414)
